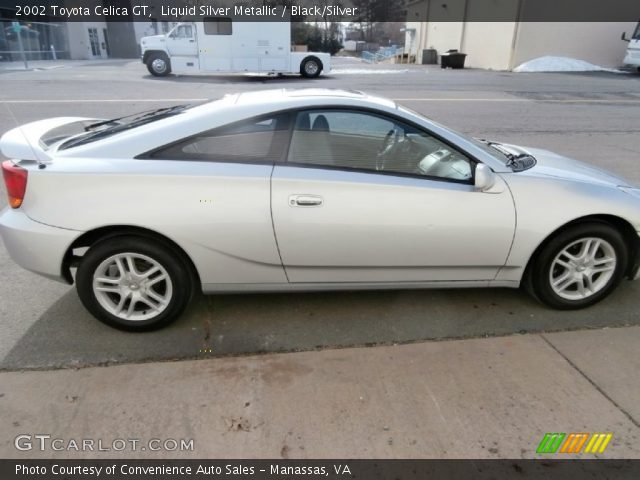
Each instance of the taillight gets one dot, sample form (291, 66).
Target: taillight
(15, 179)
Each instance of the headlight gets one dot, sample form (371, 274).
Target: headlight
(631, 191)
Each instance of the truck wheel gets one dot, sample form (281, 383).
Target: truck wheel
(311, 67)
(158, 65)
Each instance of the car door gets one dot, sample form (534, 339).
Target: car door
(181, 42)
(365, 198)
(212, 191)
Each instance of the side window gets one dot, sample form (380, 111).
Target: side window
(256, 140)
(367, 141)
(183, 31)
(218, 26)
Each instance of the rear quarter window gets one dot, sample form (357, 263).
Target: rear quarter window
(256, 140)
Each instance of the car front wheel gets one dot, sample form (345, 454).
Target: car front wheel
(580, 266)
(158, 65)
(133, 283)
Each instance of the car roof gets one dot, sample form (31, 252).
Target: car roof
(228, 109)
(298, 96)
(241, 106)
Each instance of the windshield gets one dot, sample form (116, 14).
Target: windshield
(636, 34)
(106, 128)
(496, 152)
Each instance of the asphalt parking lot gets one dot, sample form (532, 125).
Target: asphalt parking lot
(594, 117)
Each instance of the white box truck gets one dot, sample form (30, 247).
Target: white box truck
(221, 45)
(632, 57)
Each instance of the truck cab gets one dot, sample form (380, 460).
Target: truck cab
(632, 56)
(221, 45)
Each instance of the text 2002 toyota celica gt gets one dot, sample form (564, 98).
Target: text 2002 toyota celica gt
(303, 190)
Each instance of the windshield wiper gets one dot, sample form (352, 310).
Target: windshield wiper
(517, 162)
(136, 116)
(498, 146)
(512, 159)
(139, 119)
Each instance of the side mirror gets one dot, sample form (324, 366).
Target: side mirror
(624, 37)
(485, 178)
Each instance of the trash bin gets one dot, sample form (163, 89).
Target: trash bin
(452, 59)
(429, 56)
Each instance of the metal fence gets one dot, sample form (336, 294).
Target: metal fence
(382, 54)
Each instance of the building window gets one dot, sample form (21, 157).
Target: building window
(94, 42)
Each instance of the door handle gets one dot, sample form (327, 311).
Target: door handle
(192, 41)
(305, 201)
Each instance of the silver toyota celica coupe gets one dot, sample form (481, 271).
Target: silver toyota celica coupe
(303, 190)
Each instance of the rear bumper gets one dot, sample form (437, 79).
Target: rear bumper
(35, 246)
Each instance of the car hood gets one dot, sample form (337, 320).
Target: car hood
(152, 40)
(551, 164)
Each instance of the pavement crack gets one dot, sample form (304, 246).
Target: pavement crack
(594, 384)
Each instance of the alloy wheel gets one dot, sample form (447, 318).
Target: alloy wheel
(582, 268)
(132, 286)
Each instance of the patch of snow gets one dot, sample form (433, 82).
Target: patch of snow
(560, 64)
(349, 59)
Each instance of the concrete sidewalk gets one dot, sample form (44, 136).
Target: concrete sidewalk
(18, 65)
(479, 398)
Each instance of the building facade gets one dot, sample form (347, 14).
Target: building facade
(505, 45)
(53, 38)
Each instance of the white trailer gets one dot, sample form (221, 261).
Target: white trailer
(221, 45)
(632, 56)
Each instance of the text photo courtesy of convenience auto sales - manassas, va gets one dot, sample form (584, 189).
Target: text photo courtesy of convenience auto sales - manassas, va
(309, 239)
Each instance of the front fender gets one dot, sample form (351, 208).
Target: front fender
(147, 53)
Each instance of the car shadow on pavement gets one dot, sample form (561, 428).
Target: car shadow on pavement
(248, 79)
(67, 336)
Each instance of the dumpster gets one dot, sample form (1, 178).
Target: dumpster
(452, 59)
(429, 56)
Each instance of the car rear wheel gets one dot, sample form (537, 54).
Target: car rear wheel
(132, 283)
(579, 267)
(158, 65)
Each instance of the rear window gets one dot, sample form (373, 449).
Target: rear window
(58, 134)
(106, 128)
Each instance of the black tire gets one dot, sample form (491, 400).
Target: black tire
(539, 273)
(311, 67)
(178, 293)
(159, 65)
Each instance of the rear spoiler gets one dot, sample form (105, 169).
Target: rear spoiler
(23, 142)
